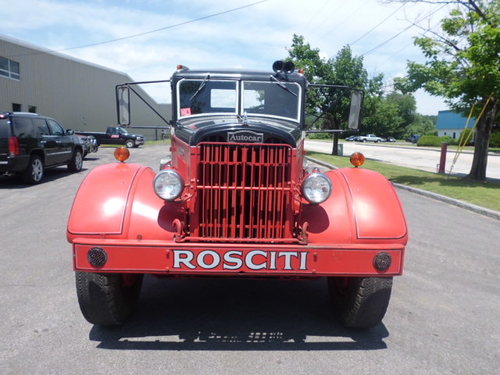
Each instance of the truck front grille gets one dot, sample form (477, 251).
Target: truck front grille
(244, 193)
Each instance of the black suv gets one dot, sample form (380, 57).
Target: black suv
(29, 143)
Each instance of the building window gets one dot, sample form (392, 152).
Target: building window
(32, 108)
(9, 68)
(16, 107)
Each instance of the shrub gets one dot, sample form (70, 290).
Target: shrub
(319, 135)
(434, 140)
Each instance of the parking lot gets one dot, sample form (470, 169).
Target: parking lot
(442, 319)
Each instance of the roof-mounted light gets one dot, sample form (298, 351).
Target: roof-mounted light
(283, 66)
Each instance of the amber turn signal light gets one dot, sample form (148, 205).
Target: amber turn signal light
(122, 154)
(357, 159)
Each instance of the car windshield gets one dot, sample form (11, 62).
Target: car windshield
(258, 98)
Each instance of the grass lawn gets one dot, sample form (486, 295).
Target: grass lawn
(482, 194)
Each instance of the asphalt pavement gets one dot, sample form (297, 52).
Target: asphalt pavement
(442, 319)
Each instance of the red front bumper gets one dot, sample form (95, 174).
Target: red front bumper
(238, 259)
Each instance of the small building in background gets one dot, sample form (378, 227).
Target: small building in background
(79, 94)
(452, 124)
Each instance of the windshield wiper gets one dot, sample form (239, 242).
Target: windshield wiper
(200, 88)
(280, 84)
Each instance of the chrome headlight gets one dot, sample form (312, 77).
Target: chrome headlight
(317, 187)
(168, 184)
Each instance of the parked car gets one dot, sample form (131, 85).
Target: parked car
(89, 144)
(390, 139)
(352, 138)
(116, 135)
(29, 143)
(369, 138)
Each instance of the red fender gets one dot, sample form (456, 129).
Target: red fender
(117, 201)
(363, 207)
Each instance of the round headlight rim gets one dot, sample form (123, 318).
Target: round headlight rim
(316, 175)
(171, 172)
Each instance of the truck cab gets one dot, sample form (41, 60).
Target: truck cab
(236, 201)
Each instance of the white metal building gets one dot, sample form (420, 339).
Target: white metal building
(79, 94)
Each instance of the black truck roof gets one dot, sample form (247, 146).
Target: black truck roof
(258, 75)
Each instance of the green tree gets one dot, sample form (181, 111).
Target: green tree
(423, 125)
(382, 116)
(463, 66)
(344, 70)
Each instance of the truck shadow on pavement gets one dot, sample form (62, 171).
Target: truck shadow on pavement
(235, 314)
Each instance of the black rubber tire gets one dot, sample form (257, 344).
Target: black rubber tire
(130, 143)
(360, 302)
(76, 162)
(33, 174)
(106, 299)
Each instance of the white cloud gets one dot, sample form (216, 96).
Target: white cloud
(429, 105)
(252, 37)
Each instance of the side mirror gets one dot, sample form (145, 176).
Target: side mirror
(123, 105)
(70, 132)
(355, 110)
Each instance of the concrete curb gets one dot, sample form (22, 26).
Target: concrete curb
(468, 206)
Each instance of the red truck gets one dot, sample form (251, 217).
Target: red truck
(236, 201)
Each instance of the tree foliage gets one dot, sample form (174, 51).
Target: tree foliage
(462, 64)
(344, 70)
(385, 115)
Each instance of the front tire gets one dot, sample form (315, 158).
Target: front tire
(130, 143)
(107, 299)
(33, 174)
(360, 302)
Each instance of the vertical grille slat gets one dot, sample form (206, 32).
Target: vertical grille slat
(244, 192)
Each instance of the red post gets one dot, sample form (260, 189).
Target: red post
(442, 160)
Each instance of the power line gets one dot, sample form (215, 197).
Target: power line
(166, 27)
(380, 23)
(153, 31)
(402, 31)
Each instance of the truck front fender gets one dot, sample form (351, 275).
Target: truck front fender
(363, 207)
(118, 201)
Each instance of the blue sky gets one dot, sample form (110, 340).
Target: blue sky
(252, 37)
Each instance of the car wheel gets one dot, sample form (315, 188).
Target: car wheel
(130, 143)
(107, 299)
(360, 302)
(33, 174)
(76, 162)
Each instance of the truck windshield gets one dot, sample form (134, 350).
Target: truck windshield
(206, 96)
(280, 99)
(258, 98)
